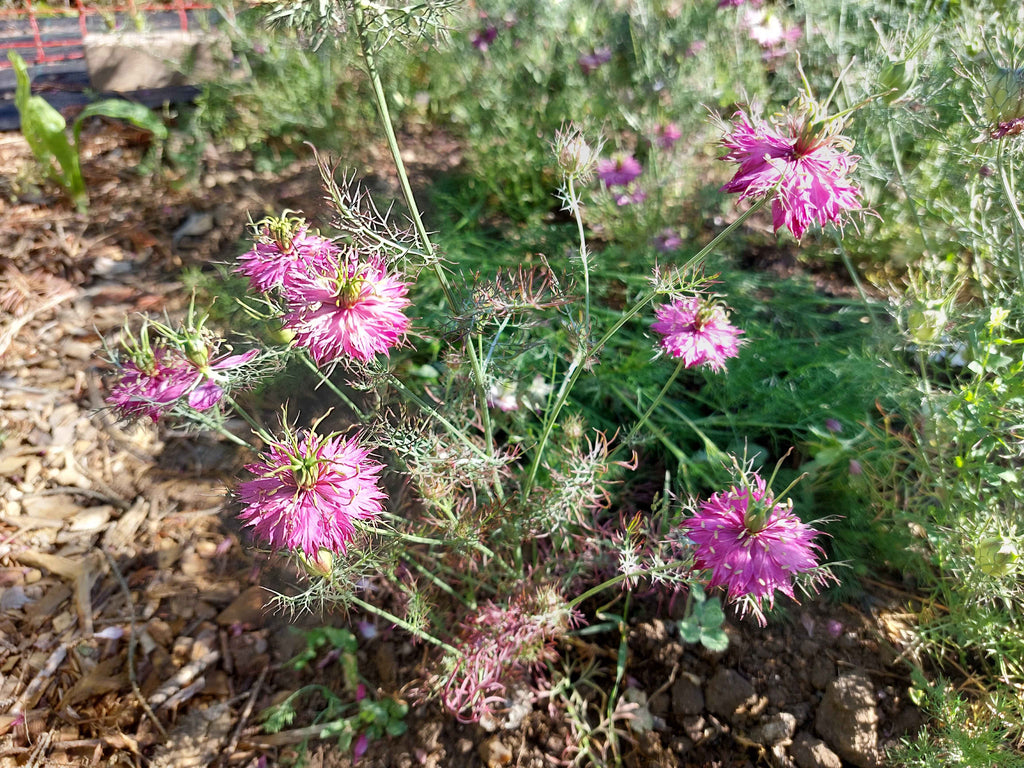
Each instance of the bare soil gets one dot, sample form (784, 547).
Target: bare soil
(133, 629)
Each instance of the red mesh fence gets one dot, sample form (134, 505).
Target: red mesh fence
(44, 34)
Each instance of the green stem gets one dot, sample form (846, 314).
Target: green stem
(437, 581)
(304, 356)
(209, 423)
(901, 178)
(856, 279)
(576, 366)
(416, 632)
(584, 255)
(655, 403)
(618, 580)
(256, 427)
(359, 13)
(1011, 199)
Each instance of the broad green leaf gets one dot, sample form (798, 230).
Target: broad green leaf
(712, 616)
(714, 639)
(136, 114)
(689, 630)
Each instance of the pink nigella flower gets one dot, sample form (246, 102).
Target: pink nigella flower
(154, 379)
(308, 491)
(284, 250)
(483, 38)
(697, 331)
(150, 385)
(348, 308)
(632, 195)
(666, 136)
(619, 171)
(667, 240)
(752, 545)
(811, 164)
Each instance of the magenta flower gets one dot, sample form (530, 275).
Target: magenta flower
(308, 491)
(697, 331)
(667, 240)
(151, 383)
(619, 171)
(752, 545)
(284, 251)
(812, 166)
(348, 308)
(482, 39)
(666, 135)
(632, 195)
(156, 379)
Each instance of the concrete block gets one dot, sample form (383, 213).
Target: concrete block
(132, 61)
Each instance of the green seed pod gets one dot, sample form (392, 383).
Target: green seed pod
(1004, 95)
(996, 555)
(896, 78)
(927, 323)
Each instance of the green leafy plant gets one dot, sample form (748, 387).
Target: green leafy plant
(703, 622)
(45, 130)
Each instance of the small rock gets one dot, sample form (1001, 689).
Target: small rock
(774, 729)
(495, 753)
(687, 696)
(779, 758)
(809, 752)
(823, 671)
(729, 694)
(848, 720)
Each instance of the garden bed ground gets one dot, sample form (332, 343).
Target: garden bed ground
(102, 522)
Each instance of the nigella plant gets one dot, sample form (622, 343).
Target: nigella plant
(478, 419)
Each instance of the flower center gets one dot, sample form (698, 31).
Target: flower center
(305, 471)
(349, 291)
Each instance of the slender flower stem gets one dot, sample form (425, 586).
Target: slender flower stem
(415, 631)
(359, 13)
(1011, 200)
(619, 579)
(256, 426)
(655, 402)
(212, 424)
(584, 254)
(576, 366)
(304, 356)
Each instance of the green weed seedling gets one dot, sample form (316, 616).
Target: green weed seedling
(703, 623)
(352, 723)
(44, 129)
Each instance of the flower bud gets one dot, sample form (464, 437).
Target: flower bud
(576, 157)
(1004, 95)
(996, 555)
(322, 565)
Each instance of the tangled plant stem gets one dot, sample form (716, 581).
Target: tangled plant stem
(380, 98)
